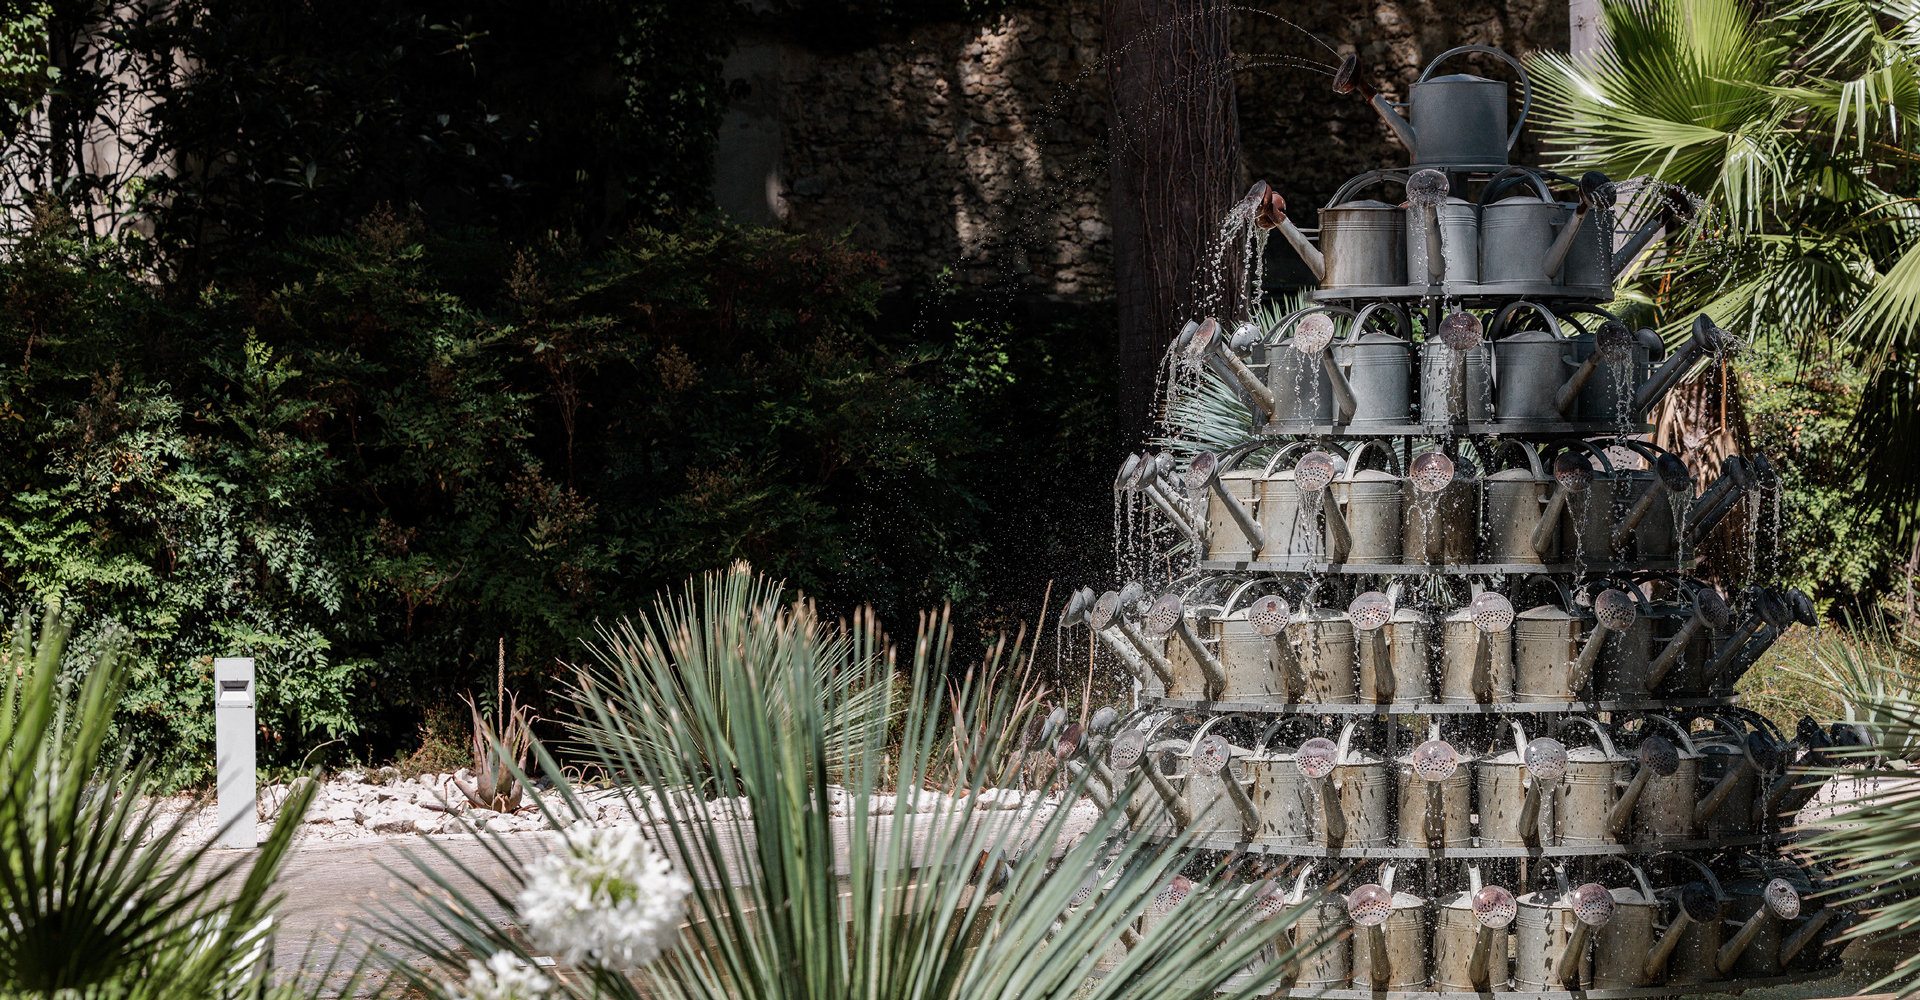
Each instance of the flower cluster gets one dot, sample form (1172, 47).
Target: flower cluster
(605, 898)
(503, 977)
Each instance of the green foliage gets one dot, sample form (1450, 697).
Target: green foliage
(1794, 127)
(944, 903)
(388, 449)
(101, 895)
(1842, 551)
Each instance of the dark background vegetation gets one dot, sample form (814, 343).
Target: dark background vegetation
(436, 340)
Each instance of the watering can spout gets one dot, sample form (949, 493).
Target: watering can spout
(1596, 191)
(1270, 212)
(1347, 81)
(1676, 212)
(1612, 344)
(1706, 337)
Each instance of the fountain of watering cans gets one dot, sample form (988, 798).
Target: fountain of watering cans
(1439, 655)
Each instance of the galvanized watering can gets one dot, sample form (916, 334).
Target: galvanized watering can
(1532, 369)
(1329, 966)
(1547, 649)
(1689, 949)
(1442, 513)
(1298, 366)
(1393, 649)
(1197, 672)
(1476, 652)
(1410, 648)
(1363, 242)
(1616, 363)
(1390, 948)
(1759, 912)
(1368, 502)
(1667, 804)
(1649, 524)
(1514, 501)
(1353, 792)
(1253, 662)
(1590, 790)
(1378, 373)
(1433, 214)
(1457, 120)
(1456, 376)
(1436, 799)
(1321, 642)
(1232, 494)
(1679, 669)
(1621, 945)
(1517, 230)
(1519, 792)
(1552, 932)
(1216, 790)
(1291, 528)
(1470, 938)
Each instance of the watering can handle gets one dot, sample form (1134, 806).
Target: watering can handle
(1606, 464)
(1705, 873)
(1493, 186)
(1686, 741)
(1348, 189)
(1606, 741)
(1266, 472)
(1353, 460)
(1226, 608)
(1566, 597)
(1301, 313)
(1646, 887)
(1360, 319)
(1526, 86)
(1499, 326)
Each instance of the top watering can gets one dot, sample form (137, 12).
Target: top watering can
(1459, 120)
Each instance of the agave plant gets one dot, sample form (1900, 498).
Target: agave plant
(801, 887)
(102, 896)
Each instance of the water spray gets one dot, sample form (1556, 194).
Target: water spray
(1369, 612)
(1613, 611)
(1706, 339)
(1270, 212)
(1571, 474)
(1546, 763)
(1595, 192)
(1593, 906)
(1427, 190)
(1669, 476)
(1612, 344)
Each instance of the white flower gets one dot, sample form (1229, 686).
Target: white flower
(606, 898)
(501, 978)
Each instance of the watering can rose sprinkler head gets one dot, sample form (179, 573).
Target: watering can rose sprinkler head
(1613, 612)
(1368, 613)
(1169, 614)
(1107, 614)
(1779, 901)
(1431, 472)
(1493, 616)
(1313, 334)
(1572, 473)
(1546, 762)
(1612, 344)
(1435, 761)
(1211, 758)
(1370, 906)
(1203, 472)
(1208, 341)
(1268, 615)
(1312, 476)
(1462, 331)
(1104, 719)
(1593, 907)
(1669, 476)
(1316, 759)
(1493, 909)
(1270, 212)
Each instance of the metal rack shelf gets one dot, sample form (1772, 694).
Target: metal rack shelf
(1426, 569)
(1436, 708)
(1469, 293)
(1507, 429)
(1446, 853)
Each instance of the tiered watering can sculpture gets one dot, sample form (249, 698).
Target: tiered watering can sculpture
(1447, 506)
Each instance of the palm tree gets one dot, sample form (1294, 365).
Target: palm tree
(1794, 130)
(803, 886)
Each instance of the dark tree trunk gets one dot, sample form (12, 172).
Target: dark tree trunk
(1174, 141)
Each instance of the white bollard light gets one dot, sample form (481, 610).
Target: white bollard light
(233, 736)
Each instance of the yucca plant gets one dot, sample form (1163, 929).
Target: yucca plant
(1873, 842)
(799, 888)
(100, 895)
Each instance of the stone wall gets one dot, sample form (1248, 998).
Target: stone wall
(980, 151)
